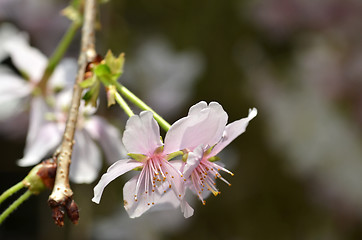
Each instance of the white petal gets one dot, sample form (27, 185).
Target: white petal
(27, 59)
(63, 100)
(142, 134)
(64, 74)
(187, 210)
(193, 161)
(13, 92)
(118, 168)
(198, 107)
(232, 131)
(107, 136)
(203, 126)
(12, 86)
(46, 141)
(9, 33)
(86, 159)
(38, 109)
(178, 164)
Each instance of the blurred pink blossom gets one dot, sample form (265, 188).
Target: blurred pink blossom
(46, 134)
(18, 91)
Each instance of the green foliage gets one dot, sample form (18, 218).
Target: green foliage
(73, 11)
(91, 96)
(106, 72)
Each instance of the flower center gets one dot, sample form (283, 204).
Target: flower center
(156, 178)
(204, 175)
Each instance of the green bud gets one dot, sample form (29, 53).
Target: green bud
(91, 96)
(88, 82)
(33, 181)
(72, 13)
(115, 64)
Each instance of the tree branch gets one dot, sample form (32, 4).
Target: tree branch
(60, 199)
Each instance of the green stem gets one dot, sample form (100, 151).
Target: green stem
(14, 205)
(58, 54)
(11, 191)
(123, 104)
(139, 103)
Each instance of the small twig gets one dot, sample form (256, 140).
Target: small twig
(139, 103)
(123, 104)
(14, 205)
(39, 177)
(11, 191)
(60, 199)
(58, 54)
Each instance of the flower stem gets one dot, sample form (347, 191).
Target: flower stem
(58, 54)
(123, 104)
(139, 103)
(14, 205)
(11, 191)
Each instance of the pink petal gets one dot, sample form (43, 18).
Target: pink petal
(143, 203)
(167, 201)
(86, 159)
(107, 136)
(232, 131)
(193, 161)
(170, 200)
(118, 168)
(198, 107)
(46, 141)
(187, 210)
(142, 134)
(178, 164)
(204, 125)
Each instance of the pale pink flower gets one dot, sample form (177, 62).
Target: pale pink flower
(46, 134)
(200, 169)
(157, 176)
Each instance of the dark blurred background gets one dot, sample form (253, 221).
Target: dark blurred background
(298, 167)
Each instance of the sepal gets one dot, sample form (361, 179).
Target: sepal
(137, 157)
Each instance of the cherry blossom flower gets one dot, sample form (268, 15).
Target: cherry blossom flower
(157, 176)
(16, 91)
(45, 136)
(19, 92)
(200, 170)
